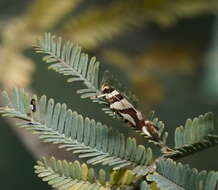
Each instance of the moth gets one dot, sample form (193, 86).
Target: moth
(120, 105)
(33, 105)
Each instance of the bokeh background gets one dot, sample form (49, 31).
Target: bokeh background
(165, 51)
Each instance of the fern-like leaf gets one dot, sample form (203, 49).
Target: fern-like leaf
(198, 134)
(195, 130)
(171, 175)
(55, 123)
(122, 177)
(64, 175)
(69, 175)
(207, 142)
(67, 59)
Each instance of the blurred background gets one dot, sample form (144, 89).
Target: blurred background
(165, 51)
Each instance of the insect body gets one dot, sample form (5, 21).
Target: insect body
(32, 108)
(127, 111)
(33, 105)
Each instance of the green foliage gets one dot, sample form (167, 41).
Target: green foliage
(73, 175)
(55, 123)
(172, 175)
(68, 175)
(195, 130)
(122, 177)
(67, 59)
(100, 144)
(207, 142)
(196, 135)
